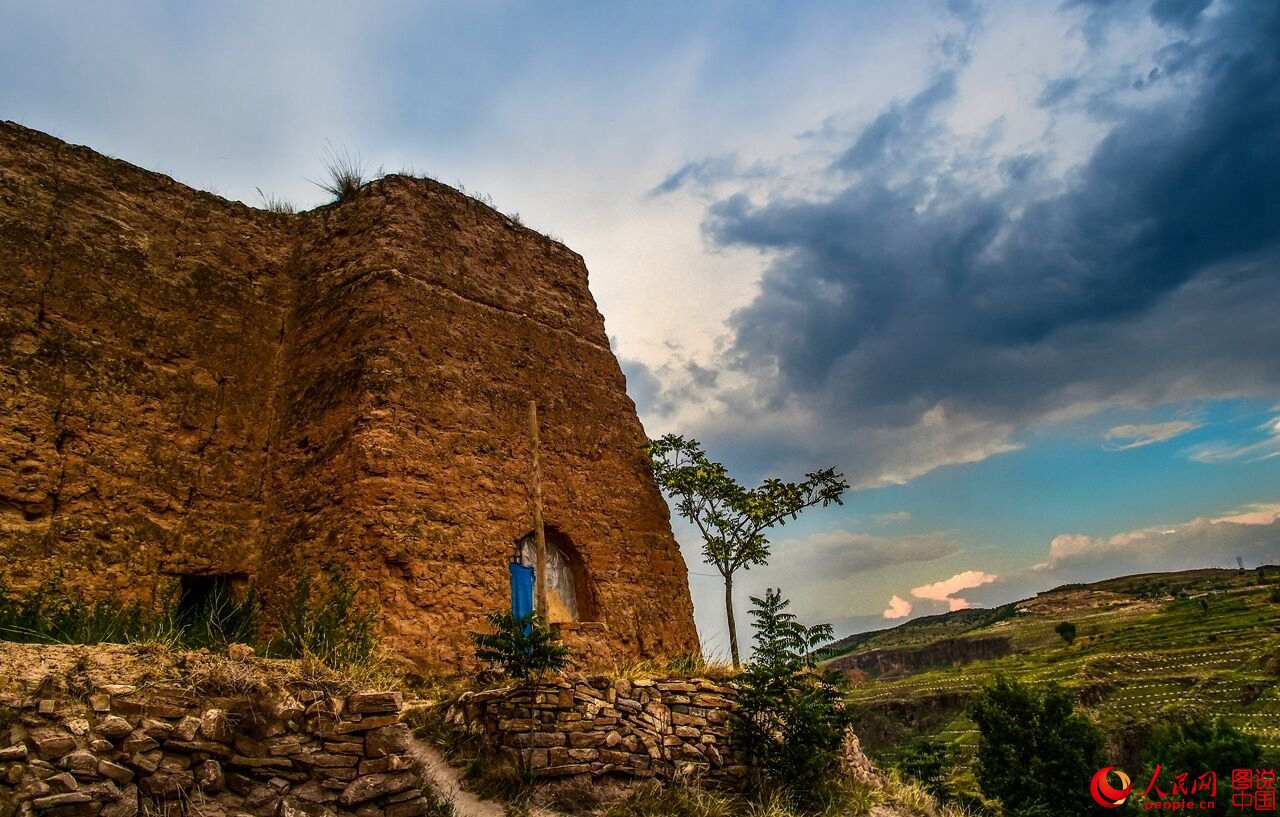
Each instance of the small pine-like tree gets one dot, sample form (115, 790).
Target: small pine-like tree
(1035, 754)
(792, 718)
(521, 647)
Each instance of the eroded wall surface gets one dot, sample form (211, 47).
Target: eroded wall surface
(190, 385)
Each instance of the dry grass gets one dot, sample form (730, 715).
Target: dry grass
(656, 800)
(346, 175)
(688, 666)
(913, 798)
(276, 204)
(219, 674)
(376, 672)
(652, 799)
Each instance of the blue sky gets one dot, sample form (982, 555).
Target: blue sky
(1012, 266)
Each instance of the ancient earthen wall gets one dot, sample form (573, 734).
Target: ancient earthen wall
(193, 386)
(665, 728)
(121, 751)
(140, 329)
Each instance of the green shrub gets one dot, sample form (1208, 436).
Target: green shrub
(1033, 747)
(1197, 746)
(1066, 630)
(791, 719)
(926, 762)
(521, 647)
(326, 623)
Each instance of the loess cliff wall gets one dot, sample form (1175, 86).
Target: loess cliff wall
(189, 386)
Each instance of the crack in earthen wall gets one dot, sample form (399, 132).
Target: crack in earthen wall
(266, 509)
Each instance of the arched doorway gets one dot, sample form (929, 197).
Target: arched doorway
(569, 594)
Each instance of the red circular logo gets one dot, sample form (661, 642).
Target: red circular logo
(1106, 795)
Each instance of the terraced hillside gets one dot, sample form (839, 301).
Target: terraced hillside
(1207, 640)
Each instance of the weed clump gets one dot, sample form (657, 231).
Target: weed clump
(326, 623)
(346, 175)
(52, 614)
(323, 624)
(276, 204)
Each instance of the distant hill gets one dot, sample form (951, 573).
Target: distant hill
(1064, 599)
(1197, 641)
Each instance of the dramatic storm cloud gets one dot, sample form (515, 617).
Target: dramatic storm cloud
(1010, 264)
(937, 294)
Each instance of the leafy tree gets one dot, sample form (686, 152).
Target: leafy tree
(520, 647)
(1067, 630)
(1197, 746)
(1035, 755)
(733, 519)
(792, 720)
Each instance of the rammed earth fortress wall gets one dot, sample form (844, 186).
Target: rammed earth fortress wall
(277, 753)
(189, 386)
(599, 725)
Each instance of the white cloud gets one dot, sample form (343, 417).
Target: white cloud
(1264, 449)
(946, 589)
(898, 608)
(1251, 533)
(1124, 437)
(891, 518)
(1261, 513)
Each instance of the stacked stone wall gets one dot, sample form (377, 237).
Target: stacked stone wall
(121, 750)
(665, 728)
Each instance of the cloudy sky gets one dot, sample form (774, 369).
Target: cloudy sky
(1011, 266)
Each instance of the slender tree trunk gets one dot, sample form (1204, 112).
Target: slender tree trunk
(733, 629)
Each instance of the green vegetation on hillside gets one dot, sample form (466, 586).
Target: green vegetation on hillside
(1149, 650)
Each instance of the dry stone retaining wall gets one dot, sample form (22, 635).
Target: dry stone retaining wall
(599, 725)
(273, 753)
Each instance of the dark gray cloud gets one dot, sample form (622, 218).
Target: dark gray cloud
(899, 127)
(1057, 90)
(704, 173)
(1147, 275)
(842, 553)
(644, 387)
(1180, 13)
